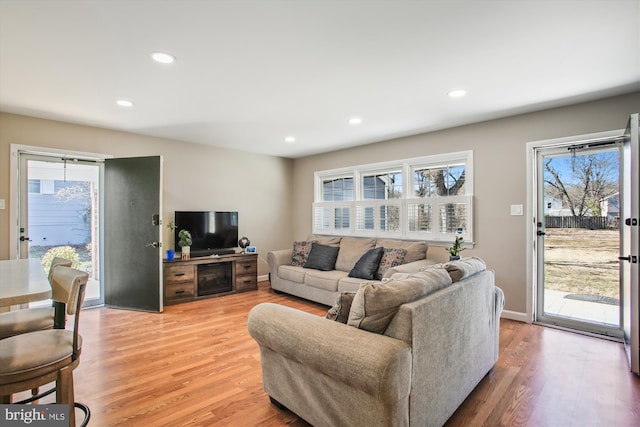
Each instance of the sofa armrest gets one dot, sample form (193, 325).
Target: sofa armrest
(277, 258)
(411, 267)
(283, 256)
(376, 364)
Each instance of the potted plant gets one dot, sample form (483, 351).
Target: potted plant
(454, 251)
(170, 252)
(185, 243)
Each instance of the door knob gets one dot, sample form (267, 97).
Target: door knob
(154, 244)
(541, 233)
(24, 239)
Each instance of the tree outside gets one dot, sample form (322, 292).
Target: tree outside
(582, 182)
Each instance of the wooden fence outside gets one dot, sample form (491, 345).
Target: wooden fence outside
(588, 222)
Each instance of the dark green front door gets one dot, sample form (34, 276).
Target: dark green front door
(132, 233)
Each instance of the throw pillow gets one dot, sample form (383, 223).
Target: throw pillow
(340, 310)
(300, 252)
(391, 257)
(415, 250)
(367, 265)
(465, 267)
(322, 257)
(375, 304)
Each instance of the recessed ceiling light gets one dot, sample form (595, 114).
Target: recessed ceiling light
(457, 93)
(163, 57)
(290, 139)
(355, 121)
(125, 103)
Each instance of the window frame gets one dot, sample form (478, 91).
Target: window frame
(407, 168)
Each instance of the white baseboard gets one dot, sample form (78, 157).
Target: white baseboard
(515, 315)
(263, 278)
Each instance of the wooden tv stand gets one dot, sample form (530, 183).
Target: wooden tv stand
(210, 276)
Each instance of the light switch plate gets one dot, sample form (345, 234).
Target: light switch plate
(517, 210)
(1, 204)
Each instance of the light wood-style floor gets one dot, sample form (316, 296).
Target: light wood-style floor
(195, 364)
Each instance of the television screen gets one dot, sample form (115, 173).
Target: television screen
(212, 232)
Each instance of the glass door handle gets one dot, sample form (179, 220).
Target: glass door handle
(541, 233)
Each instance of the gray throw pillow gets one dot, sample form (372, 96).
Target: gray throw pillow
(367, 266)
(322, 257)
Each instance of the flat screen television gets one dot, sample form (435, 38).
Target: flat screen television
(212, 232)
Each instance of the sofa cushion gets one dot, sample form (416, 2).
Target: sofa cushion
(375, 304)
(322, 257)
(327, 280)
(391, 257)
(349, 284)
(415, 250)
(301, 251)
(292, 273)
(324, 240)
(465, 267)
(367, 266)
(340, 310)
(351, 249)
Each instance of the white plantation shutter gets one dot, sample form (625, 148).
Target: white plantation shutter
(426, 198)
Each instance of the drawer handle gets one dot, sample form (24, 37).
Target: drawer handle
(179, 274)
(246, 266)
(248, 281)
(181, 291)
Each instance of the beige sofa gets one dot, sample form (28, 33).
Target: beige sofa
(431, 355)
(325, 286)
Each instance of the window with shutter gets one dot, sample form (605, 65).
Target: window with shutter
(426, 198)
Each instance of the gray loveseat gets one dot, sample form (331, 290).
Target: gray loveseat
(430, 355)
(325, 286)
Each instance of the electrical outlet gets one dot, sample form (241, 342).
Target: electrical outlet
(517, 210)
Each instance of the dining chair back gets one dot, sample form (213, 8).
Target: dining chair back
(34, 359)
(37, 318)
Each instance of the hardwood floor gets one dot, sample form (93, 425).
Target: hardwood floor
(195, 364)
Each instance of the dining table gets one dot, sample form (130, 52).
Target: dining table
(22, 281)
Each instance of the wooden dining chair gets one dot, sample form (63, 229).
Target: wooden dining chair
(33, 359)
(33, 319)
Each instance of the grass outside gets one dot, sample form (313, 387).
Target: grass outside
(582, 261)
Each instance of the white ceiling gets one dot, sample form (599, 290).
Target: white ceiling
(250, 73)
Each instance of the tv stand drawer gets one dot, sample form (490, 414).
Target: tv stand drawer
(179, 273)
(246, 283)
(179, 291)
(249, 266)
